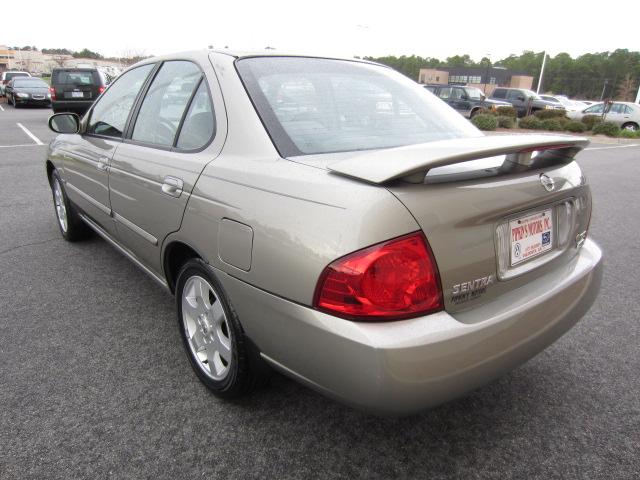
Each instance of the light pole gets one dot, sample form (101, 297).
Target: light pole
(544, 61)
(486, 73)
(604, 87)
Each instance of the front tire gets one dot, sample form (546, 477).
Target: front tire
(71, 225)
(213, 339)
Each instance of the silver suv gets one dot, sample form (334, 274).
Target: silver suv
(333, 220)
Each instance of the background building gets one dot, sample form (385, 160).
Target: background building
(484, 78)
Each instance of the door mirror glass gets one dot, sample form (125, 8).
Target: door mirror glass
(64, 123)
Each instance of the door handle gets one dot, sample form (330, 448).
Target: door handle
(103, 164)
(172, 186)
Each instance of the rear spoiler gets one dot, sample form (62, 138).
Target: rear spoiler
(411, 163)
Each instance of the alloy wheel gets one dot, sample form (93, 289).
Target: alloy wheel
(61, 209)
(206, 328)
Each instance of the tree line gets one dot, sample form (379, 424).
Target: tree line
(610, 74)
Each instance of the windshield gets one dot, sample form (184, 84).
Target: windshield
(30, 83)
(312, 106)
(474, 93)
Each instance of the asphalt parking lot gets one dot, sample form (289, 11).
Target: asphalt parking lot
(94, 383)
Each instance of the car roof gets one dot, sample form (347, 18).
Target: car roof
(199, 54)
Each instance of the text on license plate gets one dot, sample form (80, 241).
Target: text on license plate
(531, 236)
(77, 94)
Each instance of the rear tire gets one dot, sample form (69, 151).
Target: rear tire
(630, 126)
(218, 350)
(71, 225)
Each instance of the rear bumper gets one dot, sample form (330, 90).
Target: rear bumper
(72, 104)
(399, 368)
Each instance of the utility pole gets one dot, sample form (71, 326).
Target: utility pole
(638, 96)
(544, 61)
(604, 87)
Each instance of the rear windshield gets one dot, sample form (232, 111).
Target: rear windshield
(9, 76)
(30, 82)
(312, 106)
(73, 77)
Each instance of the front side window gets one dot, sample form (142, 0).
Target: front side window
(165, 103)
(110, 113)
(499, 93)
(595, 109)
(313, 105)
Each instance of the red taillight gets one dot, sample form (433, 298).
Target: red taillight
(52, 91)
(100, 89)
(392, 280)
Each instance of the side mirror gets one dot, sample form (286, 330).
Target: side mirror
(64, 123)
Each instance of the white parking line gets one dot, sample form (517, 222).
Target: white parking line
(31, 135)
(1, 109)
(616, 146)
(23, 145)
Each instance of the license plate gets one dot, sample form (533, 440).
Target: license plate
(77, 94)
(531, 236)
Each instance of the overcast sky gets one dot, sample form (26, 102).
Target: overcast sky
(331, 27)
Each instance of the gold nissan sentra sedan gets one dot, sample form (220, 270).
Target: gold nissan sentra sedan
(333, 220)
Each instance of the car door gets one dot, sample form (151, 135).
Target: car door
(460, 101)
(156, 167)
(86, 157)
(619, 114)
(518, 100)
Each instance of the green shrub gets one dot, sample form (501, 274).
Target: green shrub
(629, 134)
(505, 121)
(546, 114)
(530, 122)
(575, 127)
(552, 124)
(485, 121)
(482, 111)
(507, 112)
(609, 129)
(591, 120)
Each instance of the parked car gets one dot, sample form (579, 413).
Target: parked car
(28, 91)
(6, 77)
(333, 220)
(523, 100)
(466, 100)
(625, 114)
(564, 102)
(75, 89)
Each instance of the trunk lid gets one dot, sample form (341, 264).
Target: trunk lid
(468, 194)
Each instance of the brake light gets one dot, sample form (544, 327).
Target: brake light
(100, 89)
(52, 91)
(392, 280)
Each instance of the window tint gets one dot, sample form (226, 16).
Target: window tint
(165, 103)
(595, 109)
(499, 93)
(199, 124)
(110, 113)
(456, 93)
(514, 94)
(620, 108)
(445, 93)
(66, 77)
(10, 76)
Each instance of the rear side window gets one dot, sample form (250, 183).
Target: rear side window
(165, 103)
(71, 77)
(110, 113)
(445, 93)
(199, 125)
(499, 93)
(514, 94)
